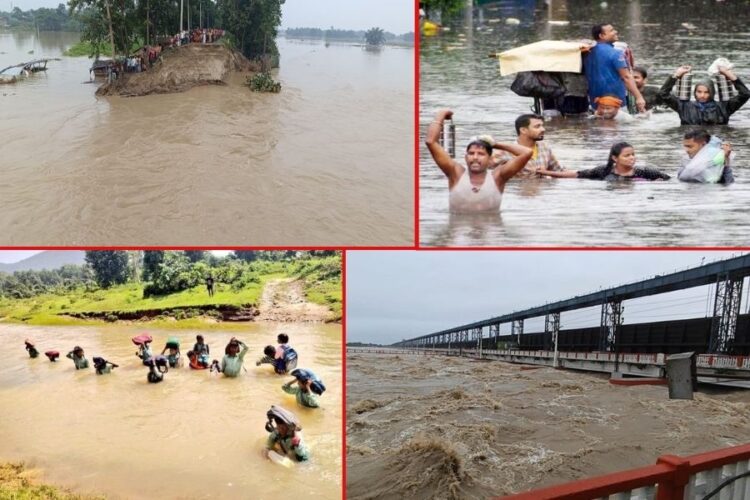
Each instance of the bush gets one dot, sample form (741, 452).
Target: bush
(263, 82)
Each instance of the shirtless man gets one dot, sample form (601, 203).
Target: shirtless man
(475, 188)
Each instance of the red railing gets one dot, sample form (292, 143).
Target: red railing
(670, 475)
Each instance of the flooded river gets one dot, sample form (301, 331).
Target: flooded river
(195, 435)
(456, 73)
(431, 427)
(322, 163)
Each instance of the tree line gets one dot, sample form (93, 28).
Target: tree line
(333, 34)
(166, 271)
(43, 19)
(251, 25)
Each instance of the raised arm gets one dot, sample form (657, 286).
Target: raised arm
(743, 94)
(627, 79)
(521, 156)
(665, 92)
(448, 165)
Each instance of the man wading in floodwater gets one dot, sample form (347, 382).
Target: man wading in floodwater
(475, 188)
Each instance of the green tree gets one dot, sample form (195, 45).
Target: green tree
(375, 37)
(151, 261)
(195, 255)
(246, 255)
(254, 25)
(447, 8)
(110, 267)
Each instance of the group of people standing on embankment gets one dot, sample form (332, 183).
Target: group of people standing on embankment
(612, 81)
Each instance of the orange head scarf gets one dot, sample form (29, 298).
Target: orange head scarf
(608, 100)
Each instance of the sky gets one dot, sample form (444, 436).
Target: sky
(396, 16)
(394, 295)
(11, 256)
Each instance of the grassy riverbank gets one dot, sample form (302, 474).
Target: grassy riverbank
(16, 483)
(320, 278)
(86, 49)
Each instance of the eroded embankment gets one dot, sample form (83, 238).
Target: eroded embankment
(222, 312)
(180, 69)
(438, 427)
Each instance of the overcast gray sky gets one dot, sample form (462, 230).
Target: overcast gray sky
(395, 295)
(11, 256)
(396, 16)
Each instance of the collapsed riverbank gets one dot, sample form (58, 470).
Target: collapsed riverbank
(181, 68)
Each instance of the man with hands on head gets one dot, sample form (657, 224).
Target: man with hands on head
(474, 187)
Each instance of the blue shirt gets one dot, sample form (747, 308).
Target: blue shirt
(601, 67)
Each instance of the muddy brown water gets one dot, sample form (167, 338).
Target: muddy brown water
(195, 435)
(437, 427)
(322, 163)
(456, 73)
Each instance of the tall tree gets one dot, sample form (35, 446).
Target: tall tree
(195, 255)
(110, 266)
(254, 25)
(375, 37)
(246, 255)
(151, 261)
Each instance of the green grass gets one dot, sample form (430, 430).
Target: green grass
(327, 293)
(15, 484)
(46, 309)
(85, 49)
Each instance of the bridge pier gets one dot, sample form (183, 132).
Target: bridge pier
(495, 332)
(552, 331)
(726, 312)
(517, 329)
(611, 321)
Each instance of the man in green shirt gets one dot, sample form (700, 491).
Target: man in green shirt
(231, 364)
(308, 387)
(78, 358)
(285, 436)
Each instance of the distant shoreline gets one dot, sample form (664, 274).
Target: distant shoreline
(349, 41)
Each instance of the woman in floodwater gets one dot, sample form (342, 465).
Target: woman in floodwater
(620, 165)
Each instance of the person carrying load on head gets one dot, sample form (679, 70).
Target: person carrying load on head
(607, 70)
(283, 358)
(475, 188)
(707, 159)
(33, 353)
(285, 437)
(308, 387)
(201, 350)
(704, 110)
(103, 366)
(143, 342)
(231, 364)
(173, 346)
(157, 367)
(79, 359)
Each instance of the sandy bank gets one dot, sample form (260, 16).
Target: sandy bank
(180, 69)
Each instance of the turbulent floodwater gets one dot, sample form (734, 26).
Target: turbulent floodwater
(322, 163)
(435, 427)
(195, 435)
(456, 73)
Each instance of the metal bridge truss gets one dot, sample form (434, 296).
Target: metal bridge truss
(610, 324)
(726, 311)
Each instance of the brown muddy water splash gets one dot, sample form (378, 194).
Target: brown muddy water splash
(195, 435)
(324, 162)
(435, 427)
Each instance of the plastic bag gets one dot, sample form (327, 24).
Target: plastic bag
(707, 166)
(537, 84)
(722, 61)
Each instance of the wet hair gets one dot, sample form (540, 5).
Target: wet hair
(230, 344)
(283, 338)
(199, 337)
(478, 142)
(642, 71)
(598, 29)
(270, 351)
(525, 120)
(616, 151)
(698, 135)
